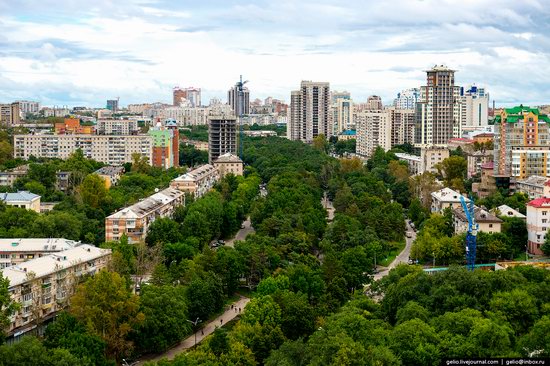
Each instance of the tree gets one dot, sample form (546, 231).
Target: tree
(546, 246)
(415, 342)
(204, 295)
(297, 315)
(320, 142)
(92, 191)
(453, 170)
(7, 306)
(163, 230)
(108, 308)
(140, 163)
(5, 151)
(537, 341)
(165, 311)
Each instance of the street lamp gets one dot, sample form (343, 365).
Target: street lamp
(194, 325)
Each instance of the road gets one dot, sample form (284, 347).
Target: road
(187, 343)
(242, 233)
(402, 257)
(327, 205)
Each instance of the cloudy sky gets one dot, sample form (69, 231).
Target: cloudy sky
(70, 52)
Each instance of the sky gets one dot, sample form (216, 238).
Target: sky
(80, 53)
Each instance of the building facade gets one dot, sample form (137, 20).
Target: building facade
(534, 186)
(42, 286)
(474, 107)
(487, 222)
(197, 181)
(373, 130)
(22, 199)
(374, 103)
(407, 99)
(402, 126)
(309, 116)
(134, 221)
(538, 221)
(522, 143)
(229, 164)
(446, 198)
(222, 136)
(165, 145)
(341, 112)
(438, 109)
(110, 174)
(239, 101)
(108, 149)
(10, 114)
(28, 108)
(117, 127)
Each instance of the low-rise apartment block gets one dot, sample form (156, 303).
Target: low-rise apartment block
(134, 221)
(534, 186)
(197, 181)
(229, 164)
(488, 223)
(108, 149)
(414, 162)
(42, 286)
(110, 174)
(18, 250)
(446, 198)
(22, 199)
(117, 127)
(507, 211)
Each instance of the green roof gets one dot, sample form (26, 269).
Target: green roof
(515, 114)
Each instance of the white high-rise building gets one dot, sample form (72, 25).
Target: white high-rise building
(309, 115)
(373, 129)
(438, 110)
(402, 121)
(407, 99)
(28, 107)
(474, 108)
(239, 103)
(374, 103)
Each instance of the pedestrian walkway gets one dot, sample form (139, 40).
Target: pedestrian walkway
(187, 343)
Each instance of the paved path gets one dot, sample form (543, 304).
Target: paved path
(242, 233)
(402, 257)
(187, 343)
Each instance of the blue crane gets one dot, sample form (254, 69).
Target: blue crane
(471, 236)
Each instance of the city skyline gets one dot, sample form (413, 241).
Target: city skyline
(57, 53)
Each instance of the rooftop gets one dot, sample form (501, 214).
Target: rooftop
(349, 133)
(196, 173)
(149, 204)
(539, 202)
(36, 244)
(448, 195)
(52, 263)
(228, 158)
(110, 170)
(517, 113)
(21, 196)
(534, 180)
(481, 215)
(408, 156)
(505, 210)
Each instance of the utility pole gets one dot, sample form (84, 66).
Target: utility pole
(195, 326)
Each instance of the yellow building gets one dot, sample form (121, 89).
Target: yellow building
(22, 199)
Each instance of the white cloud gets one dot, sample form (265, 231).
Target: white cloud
(138, 50)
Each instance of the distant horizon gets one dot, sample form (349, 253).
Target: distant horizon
(64, 52)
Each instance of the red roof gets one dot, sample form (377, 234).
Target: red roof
(539, 202)
(461, 139)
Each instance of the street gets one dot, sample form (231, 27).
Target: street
(242, 233)
(402, 257)
(209, 328)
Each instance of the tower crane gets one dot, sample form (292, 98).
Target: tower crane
(471, 235)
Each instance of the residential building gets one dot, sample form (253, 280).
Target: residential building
(476, 159)
(28, 107)
(487, 222)
(489, 181)
(199, 145)
(347, 135)
(522, 142)
(438, 109)
(9, 177)
(55, 112)
(108, 149)
(194, 97)
(414, 162)
(117, 127)
(165, 145)
(374, 103)
(186, 116)
(474, 107)
(461, 142)
(22, 199)
(309, 111)
(71, 126)
(538, 221)
(112, 105)
(138, 108)
(431, 156)
(239, 100)
(483, 137)
(407, 99)
(178, 96)
(110, 174)
(446, 198)
(10, 114)
(197, 181)
(534, 186)
(14, 251)
(341, 112)
(42, 286)
(260, 133)
(228, 164)
(507, 211)
(63, 181)
(373, 130)
(222, 136)
(134, 221)
(402, 125)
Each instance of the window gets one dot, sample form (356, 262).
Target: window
(490, 225)
(544, 213)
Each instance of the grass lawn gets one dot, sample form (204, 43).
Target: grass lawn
(389, 257)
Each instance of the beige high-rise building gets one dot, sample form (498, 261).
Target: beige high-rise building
(402, 125)
(341, 112)
(10, 114)
(373, 130)
(438, 118)
(374, 103)
(309, 116)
